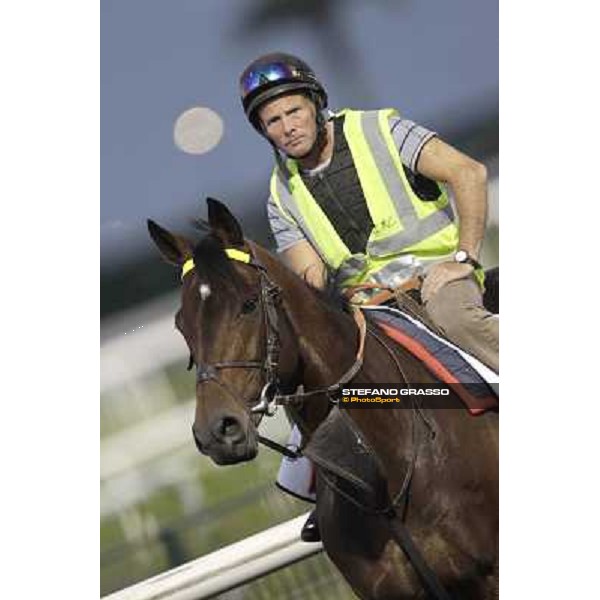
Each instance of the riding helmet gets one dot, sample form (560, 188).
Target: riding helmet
(274, 75)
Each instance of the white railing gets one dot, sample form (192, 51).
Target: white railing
(226, 568)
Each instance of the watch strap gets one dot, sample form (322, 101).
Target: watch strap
(469, 260)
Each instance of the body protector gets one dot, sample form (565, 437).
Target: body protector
(405, 227)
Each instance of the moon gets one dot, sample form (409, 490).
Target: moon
(198, 130)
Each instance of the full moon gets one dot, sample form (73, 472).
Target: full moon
(198, 130)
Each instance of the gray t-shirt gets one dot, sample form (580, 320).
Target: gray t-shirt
(409, 138)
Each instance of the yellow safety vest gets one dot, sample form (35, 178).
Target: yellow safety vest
(403, 223)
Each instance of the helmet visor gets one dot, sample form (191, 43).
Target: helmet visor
(264, 74)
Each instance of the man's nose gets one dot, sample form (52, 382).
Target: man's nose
(288, 126)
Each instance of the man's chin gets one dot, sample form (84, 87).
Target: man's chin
(298, 152)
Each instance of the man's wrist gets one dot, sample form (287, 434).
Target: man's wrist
(464, 258)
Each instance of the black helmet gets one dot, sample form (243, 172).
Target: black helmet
(273, 75)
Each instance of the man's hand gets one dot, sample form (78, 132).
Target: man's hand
(441, 274)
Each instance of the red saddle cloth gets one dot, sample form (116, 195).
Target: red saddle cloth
(441, 358)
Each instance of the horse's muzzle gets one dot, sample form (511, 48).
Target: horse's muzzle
(227, 440)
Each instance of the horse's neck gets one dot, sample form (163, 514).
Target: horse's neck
(327, 339)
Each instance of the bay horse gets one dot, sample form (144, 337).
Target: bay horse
(256, 331)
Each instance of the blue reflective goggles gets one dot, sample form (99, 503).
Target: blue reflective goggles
(266, 74)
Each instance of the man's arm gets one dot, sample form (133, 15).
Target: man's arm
(468, 180)
(294, 248)
(304, 260)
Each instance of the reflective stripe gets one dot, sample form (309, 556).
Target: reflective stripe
(422, 208)
(413, 228)
(232, 253)
(390, 271)
(394, 272)
(187, 266)
(238, 255)
(359, 133)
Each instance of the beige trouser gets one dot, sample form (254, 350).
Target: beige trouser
(457, 309)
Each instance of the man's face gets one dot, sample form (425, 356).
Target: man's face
(290, 123)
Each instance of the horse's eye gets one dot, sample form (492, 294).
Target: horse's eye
(249, 305)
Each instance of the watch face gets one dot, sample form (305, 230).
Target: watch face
(461, 256)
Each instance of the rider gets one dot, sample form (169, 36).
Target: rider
(359, 196)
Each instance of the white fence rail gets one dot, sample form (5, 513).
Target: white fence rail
(226, 568)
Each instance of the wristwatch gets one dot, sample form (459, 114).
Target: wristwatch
(462, 257)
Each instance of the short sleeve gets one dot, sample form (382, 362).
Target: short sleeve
(410, 139)
(286, 232)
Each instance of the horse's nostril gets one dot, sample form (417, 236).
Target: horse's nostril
(229, 429)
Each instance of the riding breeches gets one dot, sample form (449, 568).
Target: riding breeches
(457, 309)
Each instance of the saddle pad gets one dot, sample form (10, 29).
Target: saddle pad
(473, 382)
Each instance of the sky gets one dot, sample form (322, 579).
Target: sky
(437, 62)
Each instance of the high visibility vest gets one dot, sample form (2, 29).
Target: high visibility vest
(405, 226)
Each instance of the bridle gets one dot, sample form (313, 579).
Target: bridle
(270, 396)
(269, 297)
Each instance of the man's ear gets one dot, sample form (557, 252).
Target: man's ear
(175, 248)
(223, 224)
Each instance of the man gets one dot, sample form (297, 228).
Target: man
(359, 196)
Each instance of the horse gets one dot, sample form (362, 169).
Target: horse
(256, 331)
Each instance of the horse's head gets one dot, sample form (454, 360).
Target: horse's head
(229, 319)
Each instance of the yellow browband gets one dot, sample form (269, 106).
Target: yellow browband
(234, 254)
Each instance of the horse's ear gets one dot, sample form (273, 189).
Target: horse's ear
(176, 249)
(223, 224)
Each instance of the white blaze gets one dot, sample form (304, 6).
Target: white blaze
(204, 290)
